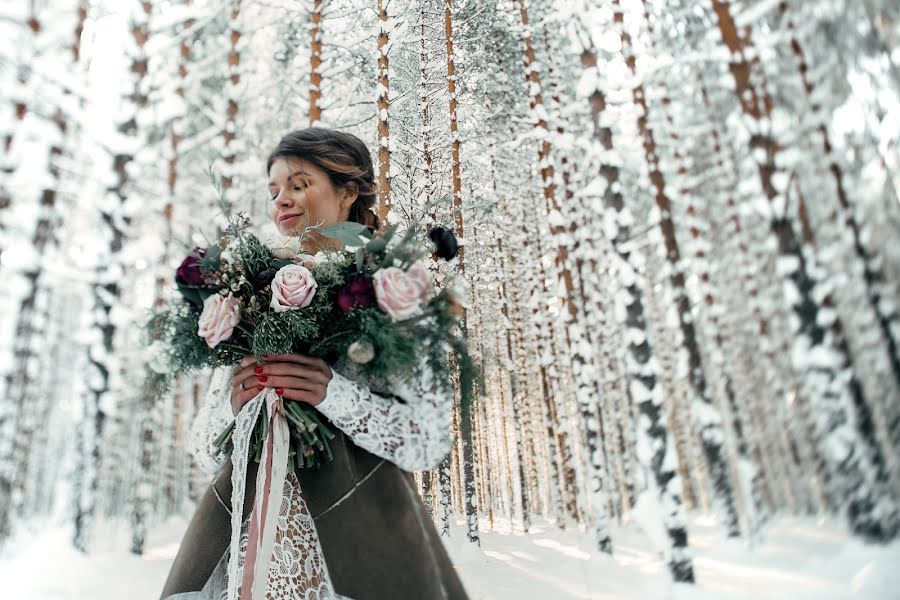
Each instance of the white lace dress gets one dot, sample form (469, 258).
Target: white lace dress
(415, 436)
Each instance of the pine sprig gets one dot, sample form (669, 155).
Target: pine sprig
(280, 333)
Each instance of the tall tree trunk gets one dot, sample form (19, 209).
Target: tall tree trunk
(558, 229)
(382, 104)
(234, 79)
(27, 401)
(471, 508)
(425, 108)
(315, 63)
(655, 449)
(853, 472)
(707, 414)
(107, 291)
(886, 426)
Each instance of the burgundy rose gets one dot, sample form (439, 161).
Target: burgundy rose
(357, 292)
(189, 272)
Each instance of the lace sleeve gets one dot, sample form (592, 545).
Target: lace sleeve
(414, 436)
(213, 415)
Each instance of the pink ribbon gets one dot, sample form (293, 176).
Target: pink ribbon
(269, 492)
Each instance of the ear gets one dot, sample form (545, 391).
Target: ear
(348, 195)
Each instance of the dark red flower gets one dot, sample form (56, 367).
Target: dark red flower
(357, 292)
(189, 272)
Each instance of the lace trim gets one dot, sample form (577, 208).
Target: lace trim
(414, 436)
(213, 415)
(298, 567)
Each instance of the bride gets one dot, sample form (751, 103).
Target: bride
(354, 528)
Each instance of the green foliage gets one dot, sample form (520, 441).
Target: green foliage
(440, 333)
(347, 232)
(211, 262)
(330, 275)
(404, 252)
(254, 255)
(195, 294)
(175, 327)
(279, 333)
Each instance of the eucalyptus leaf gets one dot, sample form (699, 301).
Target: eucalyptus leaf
(379, 245)
(196, 295)
(211, 262)
(347, 232)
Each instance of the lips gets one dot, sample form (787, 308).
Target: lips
(284, 218)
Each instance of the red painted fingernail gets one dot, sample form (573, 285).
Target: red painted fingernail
(279, 391)
(262, 378)
(259, 388)
(258, 370)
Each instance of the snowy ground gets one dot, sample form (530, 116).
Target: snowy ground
(795, 560)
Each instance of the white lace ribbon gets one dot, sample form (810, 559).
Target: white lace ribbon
(269, 494)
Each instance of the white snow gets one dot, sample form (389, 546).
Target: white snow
(794, 559)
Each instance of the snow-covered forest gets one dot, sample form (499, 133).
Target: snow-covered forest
(679, 225)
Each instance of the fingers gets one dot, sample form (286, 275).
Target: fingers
(246, 372)
(294, 383)
(309, 397)
(284, 369)
(296, 376)
(241, 397)
(300, 359)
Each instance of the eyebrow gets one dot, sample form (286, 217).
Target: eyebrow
(291, 176)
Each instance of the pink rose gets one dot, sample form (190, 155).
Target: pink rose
(399, 293)
(422, 276)
(219, 317)
(293, 288)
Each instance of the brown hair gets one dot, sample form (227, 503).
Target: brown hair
(344, 158)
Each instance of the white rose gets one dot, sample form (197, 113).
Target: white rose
(283, 246)
(293, 288)
(219, 317)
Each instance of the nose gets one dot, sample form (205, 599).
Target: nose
(283, 199)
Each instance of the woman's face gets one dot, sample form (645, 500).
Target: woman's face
(302, 194)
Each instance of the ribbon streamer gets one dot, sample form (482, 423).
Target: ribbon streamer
(269, 493)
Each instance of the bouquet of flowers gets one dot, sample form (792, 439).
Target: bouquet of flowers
(372, 301)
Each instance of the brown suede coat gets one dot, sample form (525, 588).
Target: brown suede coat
(378, 539)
